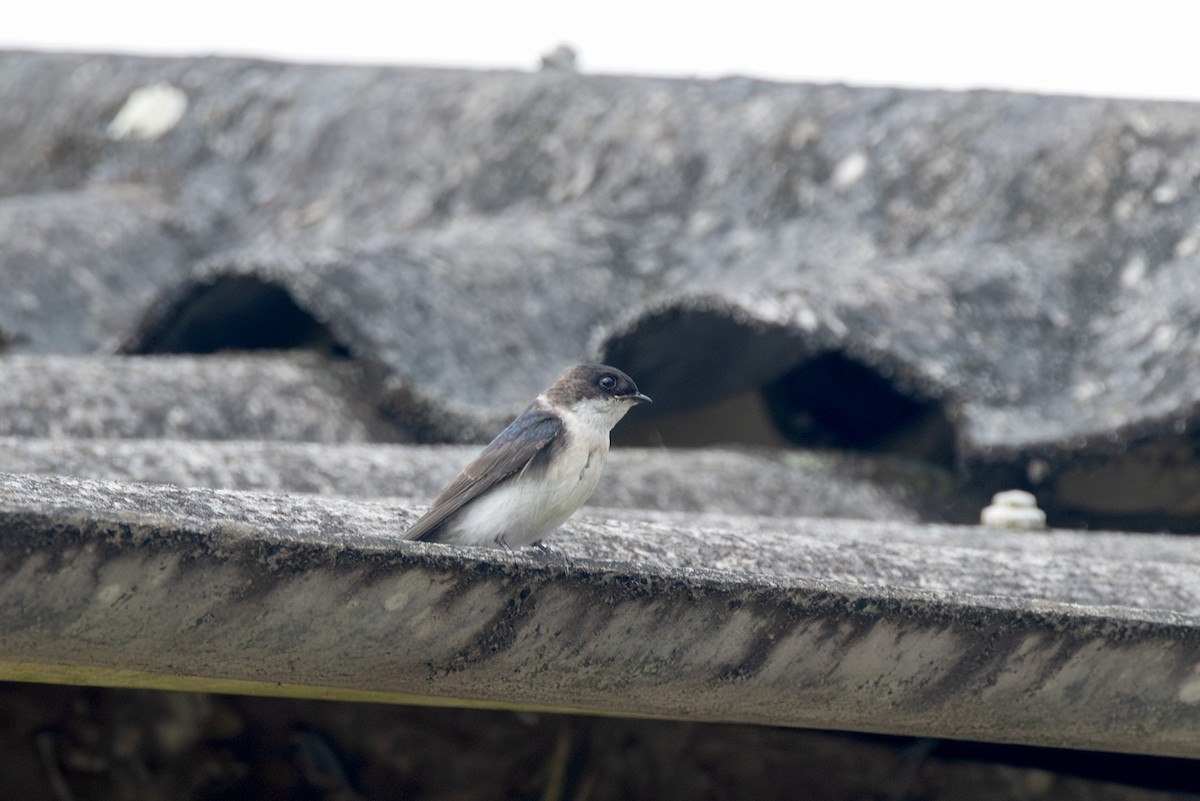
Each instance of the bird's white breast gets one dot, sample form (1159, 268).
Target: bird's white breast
(529, 506)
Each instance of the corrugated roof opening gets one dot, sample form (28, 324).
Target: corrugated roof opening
(834, 401)
(718, 380)
(234, 312)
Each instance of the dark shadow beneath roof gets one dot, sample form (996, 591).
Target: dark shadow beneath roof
(227, 746)
(834, 401)
(233, 312)
(720, 380)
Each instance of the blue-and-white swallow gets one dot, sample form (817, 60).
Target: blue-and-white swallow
(539, 469)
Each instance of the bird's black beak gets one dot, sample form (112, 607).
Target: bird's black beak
(640, 398)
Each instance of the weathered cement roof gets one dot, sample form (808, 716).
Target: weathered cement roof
(999, 287)
(701, 480)
(1083, 640)
(284, 397)
(1028, 261)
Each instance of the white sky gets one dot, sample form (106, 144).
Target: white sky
(1145, 49)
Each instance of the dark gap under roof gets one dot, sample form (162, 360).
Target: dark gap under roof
(233, 312)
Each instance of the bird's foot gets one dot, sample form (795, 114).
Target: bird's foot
(553, 554)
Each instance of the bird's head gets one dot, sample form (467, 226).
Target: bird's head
(596, 391)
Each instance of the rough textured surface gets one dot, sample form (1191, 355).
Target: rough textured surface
(807, 485)
(961, 633)
(996, 288)
(79, 264)
(996, 282)
(1005, 254)
(294, 396)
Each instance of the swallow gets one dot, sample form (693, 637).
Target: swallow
(539, 469)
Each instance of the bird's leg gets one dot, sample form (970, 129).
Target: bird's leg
(550, 553)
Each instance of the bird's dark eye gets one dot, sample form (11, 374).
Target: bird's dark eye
(608, 381)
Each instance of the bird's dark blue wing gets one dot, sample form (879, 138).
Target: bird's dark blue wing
(508, 454)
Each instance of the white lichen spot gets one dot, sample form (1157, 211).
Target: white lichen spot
(1088, 390)
(1133, 271)
(850, 169)
(1125, 206)
(108, 594)
(836, 327)
(1165, 194)
(395, 601)
(1013, 509)
(758, 112)
(807, 319)
(148, 113)
(26, 300)
(1164, 336)
(1187, 245)
(803, 134)
(313, 213)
